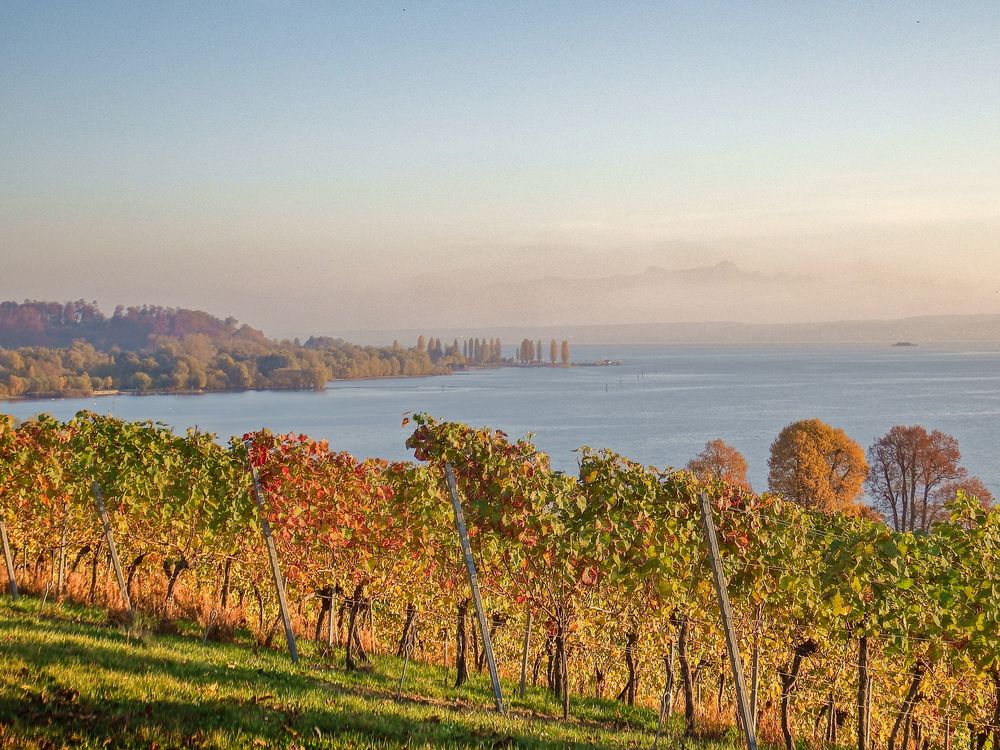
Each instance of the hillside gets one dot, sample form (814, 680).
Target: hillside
(58, 325)
(73, 349)
(69, 679)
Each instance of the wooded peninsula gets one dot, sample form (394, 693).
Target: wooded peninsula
(54, 349)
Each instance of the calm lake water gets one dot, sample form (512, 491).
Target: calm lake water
(659, 407)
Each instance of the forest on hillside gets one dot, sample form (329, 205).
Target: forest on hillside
(52, 349)
(73, 349)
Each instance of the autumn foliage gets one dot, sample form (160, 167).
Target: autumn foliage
(610, 563)
(719, 460)
(817, 466)
(914, 472)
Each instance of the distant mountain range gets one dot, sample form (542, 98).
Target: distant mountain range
(721, 302)
(722, 272)
(680, 294)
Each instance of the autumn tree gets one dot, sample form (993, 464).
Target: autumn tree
(970, 486)
(421, 343)
(565, 352)
(909, 466)
(719, 460)
(817, 466)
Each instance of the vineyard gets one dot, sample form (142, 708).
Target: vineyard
(594, 585)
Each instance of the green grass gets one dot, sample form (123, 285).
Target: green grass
(69, 680)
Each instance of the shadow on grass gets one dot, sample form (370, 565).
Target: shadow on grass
(47, 698)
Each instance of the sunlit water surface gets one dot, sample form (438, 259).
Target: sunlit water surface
(659, 407)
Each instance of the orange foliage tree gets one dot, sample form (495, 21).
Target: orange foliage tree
(719, 460)
(817, 466)
(912, 472)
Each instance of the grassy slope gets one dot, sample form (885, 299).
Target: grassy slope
(68, 680)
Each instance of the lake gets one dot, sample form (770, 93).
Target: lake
(659, 407)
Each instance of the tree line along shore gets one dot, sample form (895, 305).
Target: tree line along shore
(53, 349)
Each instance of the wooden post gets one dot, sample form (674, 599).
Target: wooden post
(666, 699)
(565, 676)
(732, 645)
(831, 718)
(212, 617)
(525, 646)
(470, 566)
(864, 693)
(372, 638)
(112, 549)
(272, 556)
(755, 666)
(11, 583)
(411, 640)
(61, 581)
(868, 714)
(331, 616)
(446, 657)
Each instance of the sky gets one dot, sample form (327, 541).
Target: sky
(342, 166)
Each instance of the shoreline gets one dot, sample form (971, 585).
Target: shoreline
(205, 392)
(210, 391)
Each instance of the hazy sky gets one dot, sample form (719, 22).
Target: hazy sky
(299, 166)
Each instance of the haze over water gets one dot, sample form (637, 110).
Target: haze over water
(323, 168)
(660, 407)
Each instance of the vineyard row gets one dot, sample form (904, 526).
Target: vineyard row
(593, 584)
